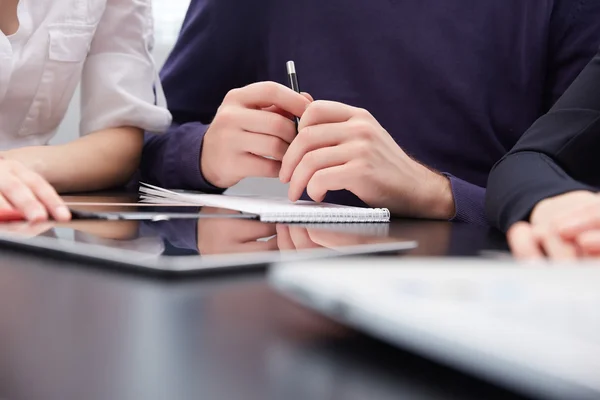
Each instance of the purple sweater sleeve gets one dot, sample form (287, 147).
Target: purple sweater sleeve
(469, 200)
(173, 160)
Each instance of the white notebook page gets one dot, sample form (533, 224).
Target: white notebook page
(272, 209)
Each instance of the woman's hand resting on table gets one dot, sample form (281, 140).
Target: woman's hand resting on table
(564, 227)
(26, 191)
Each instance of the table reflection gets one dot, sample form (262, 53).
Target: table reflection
(207, 236)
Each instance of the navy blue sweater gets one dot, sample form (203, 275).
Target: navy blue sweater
(455, 82)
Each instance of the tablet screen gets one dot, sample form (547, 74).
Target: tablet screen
(187, 244)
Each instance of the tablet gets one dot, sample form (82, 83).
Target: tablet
(198, 246)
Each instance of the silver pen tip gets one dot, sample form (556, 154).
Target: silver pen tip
(291, 67)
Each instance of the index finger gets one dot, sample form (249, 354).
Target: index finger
(45, 193)
(301, 238)
(267, 94)
(327, 112)
(283, 113)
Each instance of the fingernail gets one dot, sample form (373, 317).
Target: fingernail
(62, 213)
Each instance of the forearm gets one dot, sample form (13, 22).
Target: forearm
(101, 160)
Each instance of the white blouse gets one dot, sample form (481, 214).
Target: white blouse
(103, 44)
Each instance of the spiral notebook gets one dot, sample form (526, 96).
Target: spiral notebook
(269, 209)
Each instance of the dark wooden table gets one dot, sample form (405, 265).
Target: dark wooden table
(69, 330)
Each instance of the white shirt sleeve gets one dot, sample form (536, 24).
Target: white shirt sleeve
(120, 85)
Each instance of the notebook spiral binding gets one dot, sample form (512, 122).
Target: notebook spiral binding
(332, 215)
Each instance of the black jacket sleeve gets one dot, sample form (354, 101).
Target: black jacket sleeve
(560, 153)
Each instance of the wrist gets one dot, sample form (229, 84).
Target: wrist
(206, 172)
(438, 201)
(31, 157)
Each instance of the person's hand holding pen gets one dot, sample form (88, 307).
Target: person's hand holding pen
(343, 147)
(26, 195)
(250, 133)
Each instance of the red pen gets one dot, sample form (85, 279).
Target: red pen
(10, 215)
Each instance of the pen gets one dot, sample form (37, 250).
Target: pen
(293, 82)
(10, 215)
(13, 215)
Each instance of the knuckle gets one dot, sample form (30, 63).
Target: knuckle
(305, 136)
(273, 147)
(30, 203)
(227, 115)
(277, 123)
(11, 165)
(310, 158)
(33, 180)
(270, 89)
(363, 113)
(362, 168)
(362, 129)
(361, 149)
(12, 186)
(232, 95)
(318, 106)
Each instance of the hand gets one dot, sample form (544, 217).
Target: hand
(535, 244)
(295, 237)
(291, 238)
(564, 227)
(343, 147)
(26, 191)
(228, 236)
(252, 124)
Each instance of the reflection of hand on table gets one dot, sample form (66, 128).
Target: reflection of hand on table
(25, 229)
(297, 237)
(226, 236)
(117, 230)
(290, 237)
